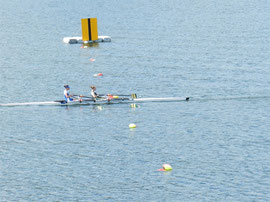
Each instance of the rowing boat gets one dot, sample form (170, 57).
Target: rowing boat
(100, 101)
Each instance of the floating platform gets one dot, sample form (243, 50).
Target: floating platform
(78, 39)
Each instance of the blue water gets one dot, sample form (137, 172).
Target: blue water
(216, 52)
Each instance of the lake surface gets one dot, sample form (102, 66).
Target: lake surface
(218, 143)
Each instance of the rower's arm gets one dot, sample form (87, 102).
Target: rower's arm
(68, 96)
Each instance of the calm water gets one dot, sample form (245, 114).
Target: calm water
(216, 52)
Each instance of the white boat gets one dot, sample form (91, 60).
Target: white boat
(99, 101)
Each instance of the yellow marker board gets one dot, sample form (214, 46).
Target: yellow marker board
(89, 29)
(94, 29)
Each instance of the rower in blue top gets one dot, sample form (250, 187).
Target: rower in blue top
(67, 96)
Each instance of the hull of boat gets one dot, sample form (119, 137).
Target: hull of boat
(98, 102)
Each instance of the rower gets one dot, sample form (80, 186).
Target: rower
(95, 95)
(67, 96)
(93, 92)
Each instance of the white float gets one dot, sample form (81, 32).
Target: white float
(78, 39)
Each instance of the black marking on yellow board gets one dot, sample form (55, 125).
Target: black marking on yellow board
(89, 29)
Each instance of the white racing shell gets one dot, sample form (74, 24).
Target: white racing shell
(99, 101)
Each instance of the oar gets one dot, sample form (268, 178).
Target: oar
(115, 94)
(82, 96)
(121, 95)
(103, 95)
(89, 100)
(130, 95)
(86, 96)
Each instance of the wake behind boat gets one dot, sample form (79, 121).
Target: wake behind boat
(99, 101)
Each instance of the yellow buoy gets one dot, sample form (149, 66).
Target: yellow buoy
(166, 167)
(132, 125)
(115, 96)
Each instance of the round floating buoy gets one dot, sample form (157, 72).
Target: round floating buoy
(92, 59)
(132, 125)
(99, 74)
(165, 167)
